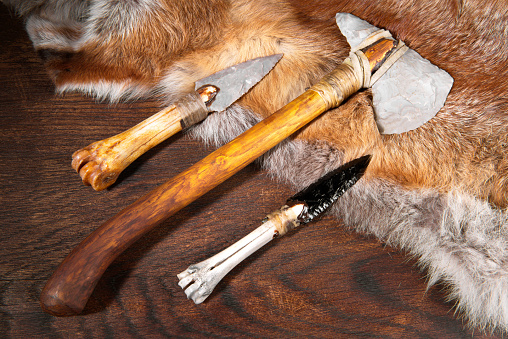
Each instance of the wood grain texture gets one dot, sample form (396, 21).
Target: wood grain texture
(321, 281)
(70, 286)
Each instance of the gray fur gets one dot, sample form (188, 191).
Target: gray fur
(460, 241)
(58, 10)
(221, 127)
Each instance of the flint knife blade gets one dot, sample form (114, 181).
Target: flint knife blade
(237, 80)
(199, 280)
(100, 163)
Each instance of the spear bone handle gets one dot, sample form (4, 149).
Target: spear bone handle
(69, 288)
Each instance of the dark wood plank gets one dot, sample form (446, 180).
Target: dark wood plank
(321, 281)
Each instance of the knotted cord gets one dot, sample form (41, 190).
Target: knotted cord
(355, 72)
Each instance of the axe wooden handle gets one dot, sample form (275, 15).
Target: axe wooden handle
(100, 163)
(68, 289)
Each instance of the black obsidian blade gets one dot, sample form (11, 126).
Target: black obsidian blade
(323, 193)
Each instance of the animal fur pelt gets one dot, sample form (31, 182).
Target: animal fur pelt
(438, 192)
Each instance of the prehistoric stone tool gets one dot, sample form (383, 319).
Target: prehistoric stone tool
(200, 279)
(100, 163)
(69, 288)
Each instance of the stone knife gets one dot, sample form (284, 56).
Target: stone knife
(100, 163)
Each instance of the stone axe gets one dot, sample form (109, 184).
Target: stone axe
(68, 289)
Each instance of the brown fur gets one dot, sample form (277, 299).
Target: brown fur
(461, 148)
(141, 48)
(464, 146)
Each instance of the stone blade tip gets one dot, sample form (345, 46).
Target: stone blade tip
(237, 80)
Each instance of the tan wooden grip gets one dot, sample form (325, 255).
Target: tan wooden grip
(69, 288)
(100, 163)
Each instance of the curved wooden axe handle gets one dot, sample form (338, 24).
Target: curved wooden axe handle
(68, 289)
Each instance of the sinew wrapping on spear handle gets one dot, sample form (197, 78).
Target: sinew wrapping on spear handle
(200, 279)
(68, 289)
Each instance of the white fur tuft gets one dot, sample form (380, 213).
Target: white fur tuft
(51, 34)
(109, 19)
(110, 91)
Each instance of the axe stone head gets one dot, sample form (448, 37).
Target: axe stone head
(410, 93)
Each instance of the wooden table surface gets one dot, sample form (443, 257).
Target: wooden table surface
(320, 281)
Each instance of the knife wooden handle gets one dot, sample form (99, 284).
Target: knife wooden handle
(100, 163)
(68, 289)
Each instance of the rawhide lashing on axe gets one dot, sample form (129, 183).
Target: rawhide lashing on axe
(199, 280)
(100, 163)
(68, 289)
